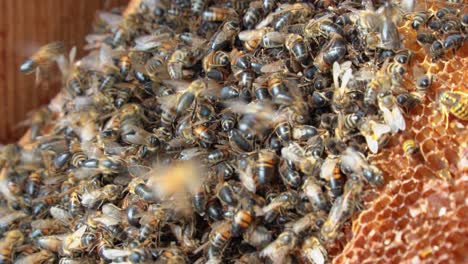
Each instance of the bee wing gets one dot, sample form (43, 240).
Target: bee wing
(326, 171)
(139, 171)
(251, 34)
(266, 21)
(336, 73)
(148, 42)
(275, 66)
(388, 118)
(345, 79)
(72, 55)
(398, 118)
(61, 215)
(111, 253)
(105, 55)
(247, 179)
(372, 144)
(352, 160)
(107, 220)
(112, 211)
(380, 129)
(111, 19)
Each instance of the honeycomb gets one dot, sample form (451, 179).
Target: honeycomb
(420, 215)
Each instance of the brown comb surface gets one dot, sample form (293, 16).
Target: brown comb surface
(420, 216)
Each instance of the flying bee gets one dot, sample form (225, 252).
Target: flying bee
(43, 58)
(218, 14)
(9, 242)
(410, 147)
(278, 251)
(297, 46)
(331, 173)
(391, 112)
(312, 251)
(455, 103)
(342, 209)
(253, 14)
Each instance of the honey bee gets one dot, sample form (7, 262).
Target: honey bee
(214, 64)
(289, 176)
(242, 221)
(454, 42)
(43, 58)
(454, 103)
(252, 15)
(42, 256)
(373, 131)
(342, 209)
(225, 37)
(218, 14)
(410, 147)
(312, 251)
(333, 51)
(9, 242)
(322, 27)
(420, 19)
(238, 141)
(109, 192)
(354, 162)
(179, 59)
(278, 251)
(311, 221)
(297, 46)
(436, 50)
(391, 112)
(125, 66)
(253, 38)
(280, 204)
(219, 238)
(331, 172)
(408, 100)
(313, 191)
(273, 40)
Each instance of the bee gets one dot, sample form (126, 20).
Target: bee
(342, 209)
(395, 69)
(78, 241)
(219, 238)
(224, 38)
(111, 76)
(313, 191)
(265, 166)
(298, 48)
(391, 112)
(252, 38)
(454, 41)
(137, 186)
(354, 162)
(238, 141)
(269, 5)
(443, 12)
(92, 198)
(436, 50)
(9, 242)
(372, 132)
(43, 58)
(309, 222)
(205, 135)
(420, 19)
(33, 184)
(455, 103)
(43, 256)
(390, 39)
(179, 59)
(403, 56)
(74, 205)
(279, 205)
(289, 176)
(312, 251)
(410, 147)
(425, 38)
(135, 135)
(423, 83)
(242, 221)
(214, 63)
(198, 6)
(218, 14)
(273, 40)
(331, 172)
(322, 27)
(408, 100)
(125, 66)
(101, 165)
(278, 250)
(333, 51)
(252, 15)
(227, 195)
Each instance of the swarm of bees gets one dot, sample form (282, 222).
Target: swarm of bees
(218, 131)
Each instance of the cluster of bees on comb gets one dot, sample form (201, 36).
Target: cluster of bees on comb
(243, 132)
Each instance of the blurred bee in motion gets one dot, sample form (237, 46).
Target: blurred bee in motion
(42, 59)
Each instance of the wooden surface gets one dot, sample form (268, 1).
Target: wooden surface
(25, 26)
